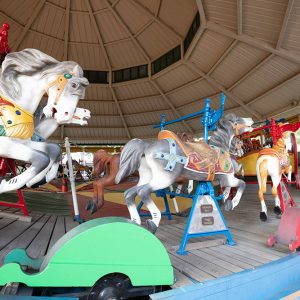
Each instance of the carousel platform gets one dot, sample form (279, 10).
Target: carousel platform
(208, 258)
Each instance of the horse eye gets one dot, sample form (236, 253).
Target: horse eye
(74, 85)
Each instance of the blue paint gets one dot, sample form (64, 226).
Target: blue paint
(270, 281)
(203, 188)
(209, 120)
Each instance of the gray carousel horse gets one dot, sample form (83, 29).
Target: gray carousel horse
(162, 162)
(25, 77)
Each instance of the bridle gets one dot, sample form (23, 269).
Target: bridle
(61, 81)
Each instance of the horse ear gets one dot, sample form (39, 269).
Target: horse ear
(77, 70)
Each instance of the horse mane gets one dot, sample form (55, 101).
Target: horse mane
(222, 137)
(29, 62)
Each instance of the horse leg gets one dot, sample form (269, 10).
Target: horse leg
(17, 149)
(50, 172)
(231, 181)
(161, 180)
(275, 182)
(262, 174)
(130, 195)
(226, 193)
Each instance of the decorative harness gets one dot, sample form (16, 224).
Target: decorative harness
(16, 121)
(61, 81)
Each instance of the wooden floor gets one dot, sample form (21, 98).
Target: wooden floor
(200, 264)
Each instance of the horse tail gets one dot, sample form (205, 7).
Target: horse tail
(262, 173)
(130, 159)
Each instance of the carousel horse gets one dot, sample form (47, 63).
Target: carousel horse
(25, 77)
(273, 161)
(106, 167)
(167, 159)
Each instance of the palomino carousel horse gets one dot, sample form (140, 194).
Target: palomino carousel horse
(163, 161)
(273, 161)
(25, 77)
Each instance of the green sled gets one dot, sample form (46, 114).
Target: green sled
(90, 251)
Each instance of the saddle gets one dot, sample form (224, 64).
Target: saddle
(278, 151)
(201, 157)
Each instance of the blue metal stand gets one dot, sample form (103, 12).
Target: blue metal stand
(167, 212)
(204, 188)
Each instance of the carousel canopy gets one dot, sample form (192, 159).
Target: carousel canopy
(148, 57)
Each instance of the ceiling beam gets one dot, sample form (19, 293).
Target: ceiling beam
(239, 17)
(146, 11)
(125, 27)
(219, 86)
(203, 19)
(194, 43)
(254, 42)
(169, 103)
(158, 8)
(285, 23)
(67, 26)
(32, 18)
(251, 71)
(273, 89)
(283, 110)
(222, 57)
(120, 112)
(99, 36)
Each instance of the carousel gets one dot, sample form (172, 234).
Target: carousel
(149, 149)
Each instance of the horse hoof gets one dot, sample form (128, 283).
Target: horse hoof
(277, 210)
(93, 208)
(263, 216)
(228, 205)
(151, 226)
(88, 205)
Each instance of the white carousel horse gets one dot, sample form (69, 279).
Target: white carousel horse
(163, 161)
(25, 77)
(273, 161)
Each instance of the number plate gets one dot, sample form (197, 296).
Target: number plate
(208, 221)
(206, 208)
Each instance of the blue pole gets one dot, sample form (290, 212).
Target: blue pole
(205, 118)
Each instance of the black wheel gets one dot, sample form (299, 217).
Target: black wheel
(110, 287)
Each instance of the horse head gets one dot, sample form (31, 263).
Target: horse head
(64, 92)
(240, 125)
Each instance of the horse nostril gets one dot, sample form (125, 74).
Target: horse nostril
(66, 113)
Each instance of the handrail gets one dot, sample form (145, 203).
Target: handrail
(209, 117)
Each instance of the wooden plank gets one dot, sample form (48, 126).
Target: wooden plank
(59, 230)
(203, 264)
(202, 244)
(15, 217)
(69, 223)
(25, 238)
(181, 280)
(39, 245)
(236, 259)
(236, 250)
(12, 231)
(5, 222)
(217, 261)
(189, 270)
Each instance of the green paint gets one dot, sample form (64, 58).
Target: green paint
(2, 131)
(67, 75)
(93, 250)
